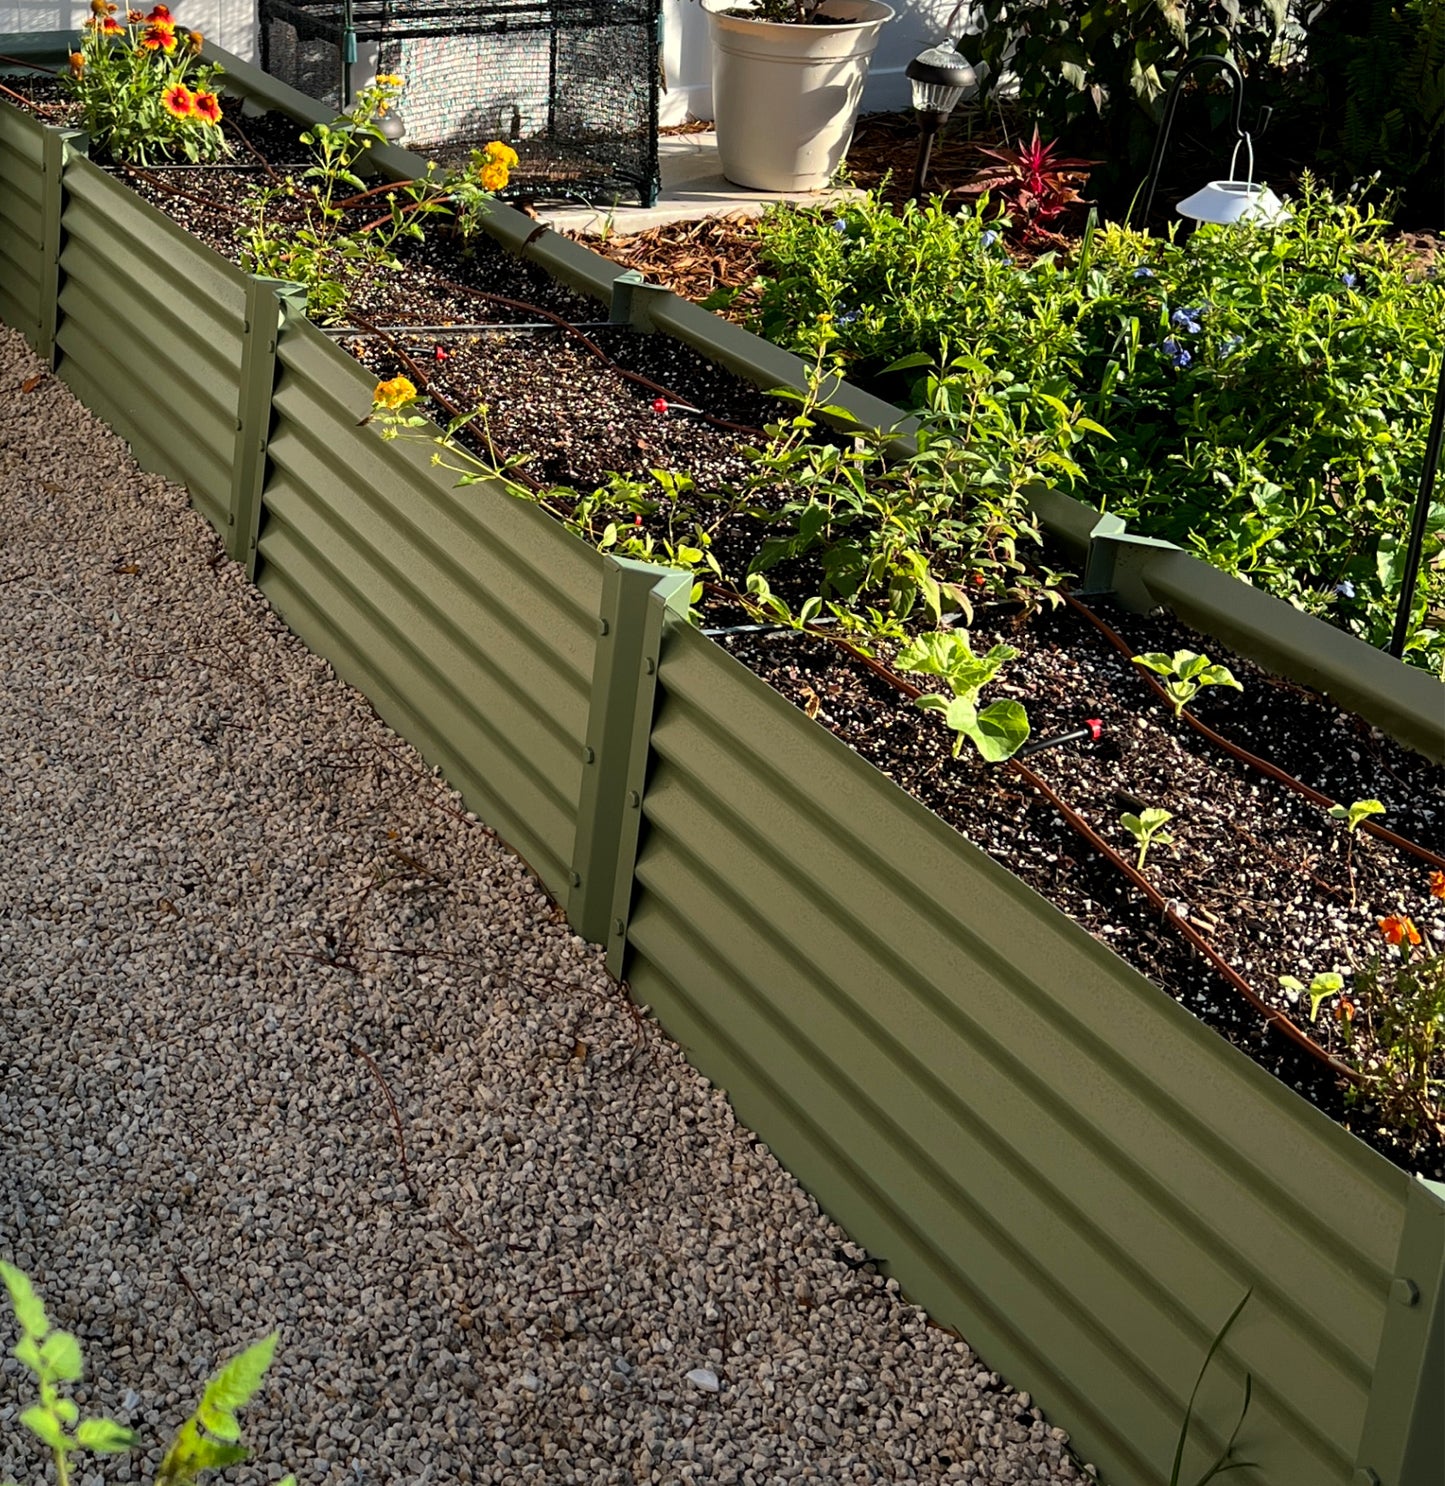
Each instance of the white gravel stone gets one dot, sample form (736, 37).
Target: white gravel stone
(216, 943)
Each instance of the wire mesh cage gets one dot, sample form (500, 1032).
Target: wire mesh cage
(571, 85)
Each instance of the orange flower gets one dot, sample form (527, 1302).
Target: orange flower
(77, 63)
(1437, 884)
(494, 177)
(102, 7)
(196, 40)
(111, 27)
(160, 37)
(1398, 930)
(179, 101)
(135, 17)
(207, 108)
(161, 13)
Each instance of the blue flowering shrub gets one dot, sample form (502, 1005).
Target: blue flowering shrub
(1266, 390)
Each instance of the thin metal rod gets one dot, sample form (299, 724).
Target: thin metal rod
(1420, 519)
(1194, 64)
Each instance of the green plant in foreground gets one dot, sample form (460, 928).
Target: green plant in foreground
(209, 1440)
(1186, 674)
(1222, 1462)
(999, 730)
(1146, 828)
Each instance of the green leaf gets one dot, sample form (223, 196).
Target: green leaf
(1322, 987)
(907, 363)
(66, 1410)
(60, 1356)
(29, 1311)
(1155, 661)
(44, 1426)
(1153, 818)
(104, 1436)
(1003, 728)
(1219, 676)
(233, 1387)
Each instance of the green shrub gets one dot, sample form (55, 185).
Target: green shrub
(1266, 390)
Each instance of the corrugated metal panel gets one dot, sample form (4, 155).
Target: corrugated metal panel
(467, 616)
(21, 188)
(160, 365)
(1050, 1153)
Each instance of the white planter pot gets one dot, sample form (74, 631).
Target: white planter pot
(785, 97)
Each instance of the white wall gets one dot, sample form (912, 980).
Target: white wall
(229, 23)
(687, 62)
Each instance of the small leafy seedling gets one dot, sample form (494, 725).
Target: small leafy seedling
(998, 730)
(1319, 990)
(1186, 674)
(208, 1440)
(1146, 829)
(1354, 815)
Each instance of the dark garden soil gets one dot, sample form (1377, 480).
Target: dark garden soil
(1256, 871)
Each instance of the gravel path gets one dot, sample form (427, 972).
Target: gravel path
(234, 911)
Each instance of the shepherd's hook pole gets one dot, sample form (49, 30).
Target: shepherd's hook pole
(1420, 519)
(1171, 102)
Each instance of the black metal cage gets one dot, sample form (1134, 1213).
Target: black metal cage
(571, 85)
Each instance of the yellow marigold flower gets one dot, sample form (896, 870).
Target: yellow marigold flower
(493, 177)
(179, 101)
(393, 394)
(502, 154)
(389, 80)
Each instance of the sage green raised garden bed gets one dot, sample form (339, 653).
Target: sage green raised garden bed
(1050, 1154)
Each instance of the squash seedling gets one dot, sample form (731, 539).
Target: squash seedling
(1354, 816)
(1185, 675)
(1147, 828)
(999, 730)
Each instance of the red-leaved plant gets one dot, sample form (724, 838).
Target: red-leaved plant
(1032, 185)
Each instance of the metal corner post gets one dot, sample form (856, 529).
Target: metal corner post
(57, 146)
(636, 598)
(1403, 1439)
(269, 305)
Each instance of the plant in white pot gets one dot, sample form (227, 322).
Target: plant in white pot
(787, 81)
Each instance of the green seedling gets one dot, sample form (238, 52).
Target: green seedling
(1185, 675)
(209, 1440)
(999, 730)
(1353, 816)
(1146, 829)
(1319, 990)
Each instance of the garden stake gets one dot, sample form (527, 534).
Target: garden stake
(1419, 519)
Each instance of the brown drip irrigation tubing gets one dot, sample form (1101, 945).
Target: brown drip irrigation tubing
(1272, 771)
(1271, 1015)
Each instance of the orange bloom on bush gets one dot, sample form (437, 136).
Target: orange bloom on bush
(494, 177)
(206, 107)
(179, 101)
(1399, 930)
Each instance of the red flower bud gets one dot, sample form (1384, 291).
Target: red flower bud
(659, 404)
(439, 353)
